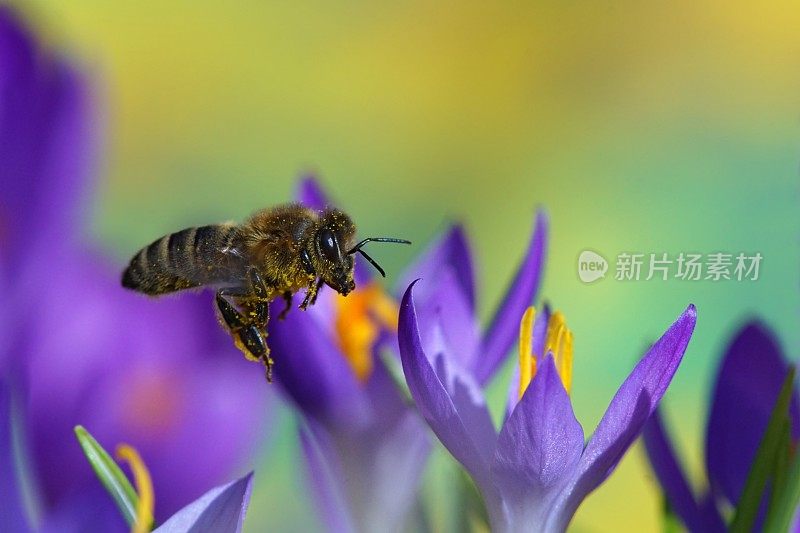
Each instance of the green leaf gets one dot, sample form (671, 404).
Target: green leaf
(112, 478)
(473, 511)
(764, 462)
(786, 495)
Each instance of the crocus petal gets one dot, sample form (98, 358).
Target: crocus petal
(12, 509)
(444, 309)
(221, 509)
(450, 252)
(313, 371)
(433, 400)
(310, 193)
(89, 509)
(502, 332)
(670, 475)
(538, 448)
(326, 479)
(43, 144)
(747, 387)
(625, 417)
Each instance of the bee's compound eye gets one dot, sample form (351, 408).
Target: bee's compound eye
(328, 245)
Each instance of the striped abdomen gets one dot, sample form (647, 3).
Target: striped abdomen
(182, 260)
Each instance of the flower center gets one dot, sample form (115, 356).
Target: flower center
(144, 488)
(359, 319)
(154, 402)
(558, 341)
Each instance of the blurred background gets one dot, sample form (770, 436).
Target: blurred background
(640, 127)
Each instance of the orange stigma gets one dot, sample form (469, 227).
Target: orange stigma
(359, 318)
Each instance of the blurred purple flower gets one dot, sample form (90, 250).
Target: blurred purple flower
(221, 509)
(161, 374)
(365, 446)
(537, 471)
(748, 382)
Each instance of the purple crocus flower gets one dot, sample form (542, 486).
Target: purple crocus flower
(365, 447)
(537, 470)
(221, 509)
(161, 374)
(748, 382)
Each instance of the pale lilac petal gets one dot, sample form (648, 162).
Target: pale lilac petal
(432, 398)
(448, 253)
(538, 447)
(445, 311)
(326, 479)
(503, 330)
(220, 510)
(367, 480)
(669, 473)
(625, 417)
(748, 383)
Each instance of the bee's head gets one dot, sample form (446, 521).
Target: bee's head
(330, 254)
(331, 242)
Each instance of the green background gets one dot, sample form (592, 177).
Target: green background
(657, 127)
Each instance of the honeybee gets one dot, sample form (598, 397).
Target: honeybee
(275, 253)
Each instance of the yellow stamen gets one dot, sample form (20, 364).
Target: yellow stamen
(558, 341)
(359, 318)
(527, 363)
(144, 488)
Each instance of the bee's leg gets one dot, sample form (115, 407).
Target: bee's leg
(311, 295)
(232, 317)
(320, 283)
(247, 329)
(287, 297)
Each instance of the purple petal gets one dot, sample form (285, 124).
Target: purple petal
(326, 479)
(449, 253)
(89, 509)
(12, 509)
(376, 471)
(670, 474)
(44, 138)
(435, 403)
(313, 371)
(221, 509)
(502, 332)
(443, 310)
(625, 417)
(538, 447)
(748, 383)
(310, 193)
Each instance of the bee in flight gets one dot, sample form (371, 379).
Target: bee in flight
(276, 252)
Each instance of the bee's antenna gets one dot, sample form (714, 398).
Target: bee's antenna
(372, 262)
(357, 248)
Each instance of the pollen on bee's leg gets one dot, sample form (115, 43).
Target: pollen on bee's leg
(144, 488)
